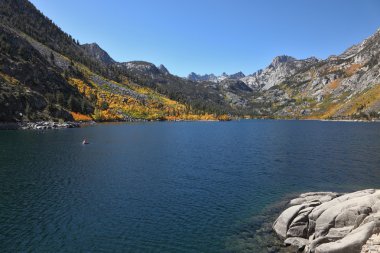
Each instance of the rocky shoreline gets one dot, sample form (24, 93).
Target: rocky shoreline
(45, 125)
(329, 222)
(40, 125)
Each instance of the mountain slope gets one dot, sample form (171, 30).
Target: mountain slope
(280, 68)
(344, 86)
(23, 16)
(46, 75)
(23, 66)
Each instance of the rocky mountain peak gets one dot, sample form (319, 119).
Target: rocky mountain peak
(141, 66)
(312, 59)
(163, 69)
(192, 76)
(199, 78)
(370, 44)
(237, 75)
(281, 67)
(93, 45)
(213, 78)
(282, 59)
(95, 51)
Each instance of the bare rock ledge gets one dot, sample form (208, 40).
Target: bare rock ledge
(329, 222)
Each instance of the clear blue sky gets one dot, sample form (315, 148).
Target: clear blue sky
(212, 36)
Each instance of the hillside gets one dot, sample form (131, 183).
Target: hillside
(45, 74)
(346, 86)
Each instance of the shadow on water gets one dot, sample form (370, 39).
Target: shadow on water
(256, 234)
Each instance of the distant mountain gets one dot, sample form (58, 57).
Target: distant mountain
(346, 86)
(213, 78)
(239, 75)
(202, 98)
(280, 68)
(94, 51)
(201, 78)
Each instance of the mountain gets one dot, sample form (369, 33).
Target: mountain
(346, 86)
(31, 85)
(45, 74)
(201, 98)
(238, 75)
(200, 78)
(94, 51)
(280, 68)
(213, 78)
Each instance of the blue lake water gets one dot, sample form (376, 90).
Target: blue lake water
(169, 187)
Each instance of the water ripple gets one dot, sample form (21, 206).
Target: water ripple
(171, 187)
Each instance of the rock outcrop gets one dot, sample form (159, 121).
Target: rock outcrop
(328, 222)
(96, 52)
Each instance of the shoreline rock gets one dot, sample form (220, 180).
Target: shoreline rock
(45, 125)
(328, 222)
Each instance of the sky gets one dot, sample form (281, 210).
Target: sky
(215, 36)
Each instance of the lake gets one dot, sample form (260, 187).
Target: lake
(170, 186)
